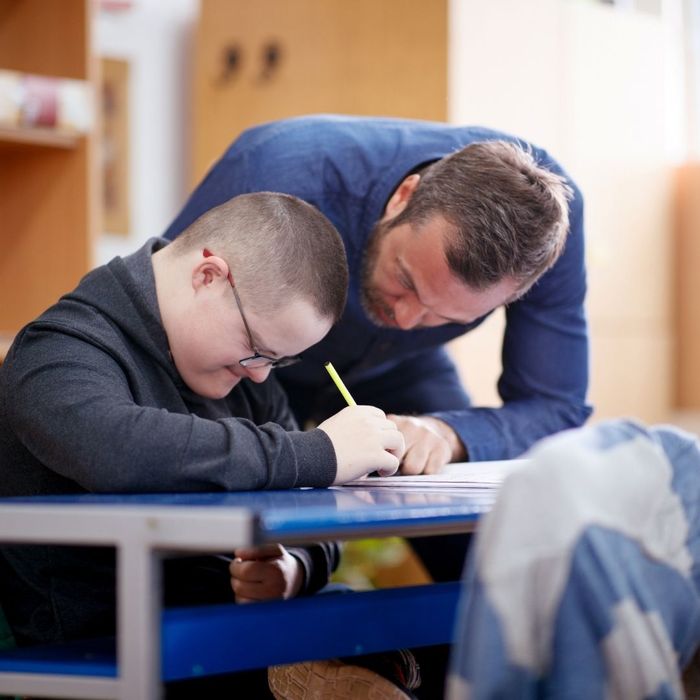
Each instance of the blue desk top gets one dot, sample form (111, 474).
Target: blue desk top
(308, 514)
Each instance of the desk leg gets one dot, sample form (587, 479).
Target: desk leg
(138, 621)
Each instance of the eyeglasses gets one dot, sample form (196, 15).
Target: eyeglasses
(257, 359)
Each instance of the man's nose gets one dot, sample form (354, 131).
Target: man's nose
(258, 374)
(408, 312)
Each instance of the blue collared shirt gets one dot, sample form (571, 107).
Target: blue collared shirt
(348, 167)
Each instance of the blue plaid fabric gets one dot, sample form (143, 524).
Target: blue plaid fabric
(585, 579)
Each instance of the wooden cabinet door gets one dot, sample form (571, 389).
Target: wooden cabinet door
(269, 59)
(687, 286)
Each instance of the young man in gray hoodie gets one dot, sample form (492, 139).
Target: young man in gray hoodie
(153, 375)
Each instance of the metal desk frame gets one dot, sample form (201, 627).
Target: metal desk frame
(143, 533)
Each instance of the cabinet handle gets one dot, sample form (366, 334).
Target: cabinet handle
(271, 59)
(232, 56)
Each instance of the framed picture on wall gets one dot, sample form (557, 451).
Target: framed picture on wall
(115, 145)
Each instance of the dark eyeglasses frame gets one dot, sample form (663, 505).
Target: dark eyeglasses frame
(257, 359)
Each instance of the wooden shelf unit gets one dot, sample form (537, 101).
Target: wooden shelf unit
(47, 177)
(12, 138)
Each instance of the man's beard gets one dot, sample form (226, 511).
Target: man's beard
(370, 299)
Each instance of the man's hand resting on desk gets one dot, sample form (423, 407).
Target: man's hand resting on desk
(269, 572)
(430, 444)
(364, 441)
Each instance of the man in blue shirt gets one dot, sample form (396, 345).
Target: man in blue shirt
(442, 224)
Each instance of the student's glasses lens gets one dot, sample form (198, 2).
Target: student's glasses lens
(261, 361)
(256, 362)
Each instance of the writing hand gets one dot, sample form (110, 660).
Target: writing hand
(364, 441)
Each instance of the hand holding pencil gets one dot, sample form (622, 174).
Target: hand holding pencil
(363, 438)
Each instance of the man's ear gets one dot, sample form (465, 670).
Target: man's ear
(208, 271)
(398, 201)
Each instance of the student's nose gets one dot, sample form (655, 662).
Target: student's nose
(258, 374)
(408, 312)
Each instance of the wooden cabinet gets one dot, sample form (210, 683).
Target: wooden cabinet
(47, 178)
(687, 286)
(265, 60)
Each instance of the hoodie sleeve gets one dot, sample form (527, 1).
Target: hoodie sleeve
(318, 561)
(70, 405)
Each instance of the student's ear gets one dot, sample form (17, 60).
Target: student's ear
(209, 271)
(398, 201)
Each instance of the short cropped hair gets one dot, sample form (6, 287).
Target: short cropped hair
(510, 214)
(278, 248)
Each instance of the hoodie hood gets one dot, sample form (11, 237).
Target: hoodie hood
(122, 292)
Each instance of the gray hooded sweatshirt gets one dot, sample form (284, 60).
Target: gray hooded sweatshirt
(91, 402)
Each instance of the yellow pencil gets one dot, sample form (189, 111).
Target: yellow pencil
(339, 383)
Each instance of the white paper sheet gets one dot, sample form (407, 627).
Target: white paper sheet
(458, 475)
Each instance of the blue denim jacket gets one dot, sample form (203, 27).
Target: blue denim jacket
(348, 167)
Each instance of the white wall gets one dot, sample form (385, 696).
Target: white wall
(591, 84)
(155, 36)
(504, 73)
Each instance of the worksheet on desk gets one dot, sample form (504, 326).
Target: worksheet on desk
(471, 475)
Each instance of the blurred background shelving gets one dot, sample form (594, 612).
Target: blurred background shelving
(47, 176)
